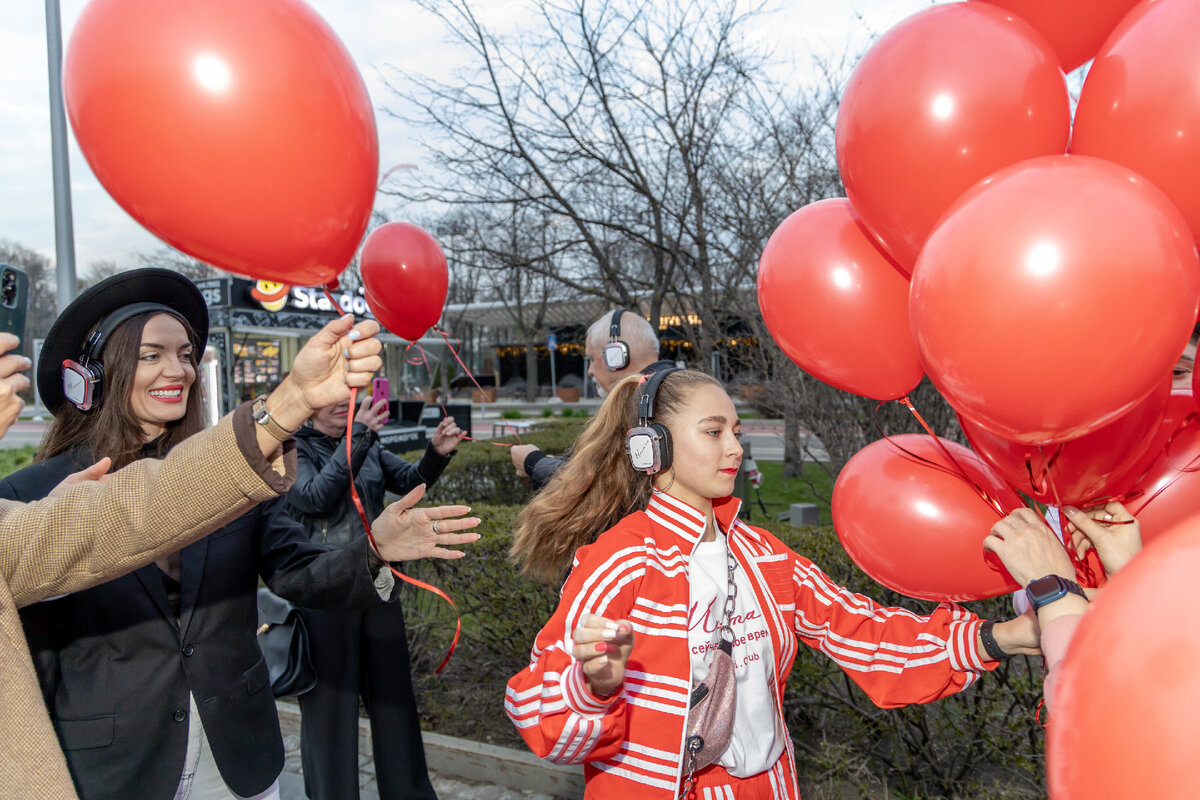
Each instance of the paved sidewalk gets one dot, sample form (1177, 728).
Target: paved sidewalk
(448, 787)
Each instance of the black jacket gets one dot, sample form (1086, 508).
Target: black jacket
(320, 499)
(116, 666)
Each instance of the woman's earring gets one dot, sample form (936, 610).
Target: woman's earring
(670, 483)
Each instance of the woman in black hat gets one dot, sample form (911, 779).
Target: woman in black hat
(154, 681)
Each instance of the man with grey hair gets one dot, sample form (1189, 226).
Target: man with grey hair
(619, 344)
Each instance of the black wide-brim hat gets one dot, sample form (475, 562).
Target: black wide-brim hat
(70, 331)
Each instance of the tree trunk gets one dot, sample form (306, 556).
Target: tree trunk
(793, 458)
(531, 370)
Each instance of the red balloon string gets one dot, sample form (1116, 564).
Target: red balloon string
(1088, 569)
(429, 371)
(1191, 466)
(336, 307)
(957, 471)
(362, 515)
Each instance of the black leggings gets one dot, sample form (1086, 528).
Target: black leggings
(361, 652)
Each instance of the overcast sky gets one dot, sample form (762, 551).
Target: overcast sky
(377, 33)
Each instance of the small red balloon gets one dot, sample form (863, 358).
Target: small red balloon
(1075, 28)
(1140, 105)
(918, 527)
(836, 304)
(1093, 468)
(1125, 722)
(238, 131)
(1049, 271)
(406, 278)
(939, 102)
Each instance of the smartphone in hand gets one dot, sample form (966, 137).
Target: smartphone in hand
(380, 389)
(14, 301)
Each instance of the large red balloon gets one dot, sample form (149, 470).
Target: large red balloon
(1140, 104)
(1075, 28)
(836, 305)
(1168, 493)
(919, 528)
(1044, 277)
(1126, 720)
(1096, 466)
(405, 275)
(939, 102)
(238, 131)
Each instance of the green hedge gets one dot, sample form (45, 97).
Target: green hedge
(483, 473)
(981, 743)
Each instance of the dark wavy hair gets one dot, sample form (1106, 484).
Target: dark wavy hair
(111, 428)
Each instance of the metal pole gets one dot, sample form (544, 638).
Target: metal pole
(64, 226)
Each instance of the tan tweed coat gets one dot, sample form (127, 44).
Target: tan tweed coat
(94, 533)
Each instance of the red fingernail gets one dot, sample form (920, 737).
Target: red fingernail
(601, 647)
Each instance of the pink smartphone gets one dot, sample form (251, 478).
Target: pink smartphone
(380, 388)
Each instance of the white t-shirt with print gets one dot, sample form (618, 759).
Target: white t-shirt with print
(756, 744)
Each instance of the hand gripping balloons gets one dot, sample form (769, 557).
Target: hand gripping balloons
(405, 276)
(918, 527)
(238, 131)
(836, 305)
(1054, 297)
(1098, 465)
(1140, 105)
(1075, 28)
(939, 102)
(1124, 722)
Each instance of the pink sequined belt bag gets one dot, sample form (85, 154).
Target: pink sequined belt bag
(710, 713)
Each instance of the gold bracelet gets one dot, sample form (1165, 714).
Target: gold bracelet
(263, 417)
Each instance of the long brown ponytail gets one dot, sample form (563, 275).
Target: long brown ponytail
(597, 486)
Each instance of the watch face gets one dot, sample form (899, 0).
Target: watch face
(1043, 590)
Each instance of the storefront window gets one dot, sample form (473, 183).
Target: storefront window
(256, 366)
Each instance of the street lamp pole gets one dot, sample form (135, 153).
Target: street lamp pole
(64, 226)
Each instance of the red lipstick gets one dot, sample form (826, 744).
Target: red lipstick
(175, 387)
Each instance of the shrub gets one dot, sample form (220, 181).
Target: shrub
(16, 458)
(482, 472)
(981, 743)
(511, 413)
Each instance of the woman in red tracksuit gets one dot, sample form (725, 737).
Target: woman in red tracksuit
(610, 675)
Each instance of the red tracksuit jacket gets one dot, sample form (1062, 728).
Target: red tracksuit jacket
(631, 743)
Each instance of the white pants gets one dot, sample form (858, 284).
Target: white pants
(201, 780)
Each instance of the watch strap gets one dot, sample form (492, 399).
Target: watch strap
(263, 417)
(989, 641)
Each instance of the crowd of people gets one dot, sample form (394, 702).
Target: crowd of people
(134, 545)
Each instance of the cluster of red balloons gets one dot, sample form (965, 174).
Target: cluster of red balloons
(405, 277)
(1044, 274)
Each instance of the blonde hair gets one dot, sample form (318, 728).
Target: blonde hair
(597, 486)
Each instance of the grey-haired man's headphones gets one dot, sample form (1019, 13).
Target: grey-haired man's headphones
(83, 380)
(649, 443)
(616, 352)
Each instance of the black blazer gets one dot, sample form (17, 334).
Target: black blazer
(116, 667)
